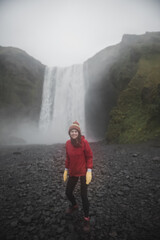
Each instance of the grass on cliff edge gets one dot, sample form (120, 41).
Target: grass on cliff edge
(136, 118)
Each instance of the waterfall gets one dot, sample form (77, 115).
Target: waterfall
(62, 101)
(47, 99)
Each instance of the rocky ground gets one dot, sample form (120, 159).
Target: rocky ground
(124, 193)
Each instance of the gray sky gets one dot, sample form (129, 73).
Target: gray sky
(66, 32)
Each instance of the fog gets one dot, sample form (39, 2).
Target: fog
(24, 131)
(66, 32)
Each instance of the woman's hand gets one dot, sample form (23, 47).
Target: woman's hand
(65, 174)
(88, 176)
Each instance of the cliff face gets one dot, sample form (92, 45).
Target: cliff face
(136, 116)
(132, 63)
(101, 93)
(21, 83)
(21, 80)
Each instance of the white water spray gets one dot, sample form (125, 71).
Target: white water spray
(47, 98)
(62, 102)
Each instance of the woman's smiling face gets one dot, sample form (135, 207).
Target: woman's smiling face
(74, 133)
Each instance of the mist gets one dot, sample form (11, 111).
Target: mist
(24, 131)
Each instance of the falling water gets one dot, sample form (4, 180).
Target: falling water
(47, 99)
(62, 101)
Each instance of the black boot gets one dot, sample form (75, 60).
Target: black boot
(86, 227)
(72, 209)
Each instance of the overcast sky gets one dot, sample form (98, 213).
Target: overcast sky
(66, 32)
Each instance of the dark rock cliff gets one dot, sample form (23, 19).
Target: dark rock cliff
(136, 117)
(21, 83)
(109, 72)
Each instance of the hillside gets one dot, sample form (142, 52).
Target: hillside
(21, 79)
(136, 116)
(108, 74)
(21, 83)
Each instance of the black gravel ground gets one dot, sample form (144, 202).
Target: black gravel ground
(124, 194)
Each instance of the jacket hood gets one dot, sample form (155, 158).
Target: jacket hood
(82, 137)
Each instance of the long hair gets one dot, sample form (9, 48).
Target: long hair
(77, 142)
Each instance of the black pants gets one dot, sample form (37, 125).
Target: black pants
(72, 181)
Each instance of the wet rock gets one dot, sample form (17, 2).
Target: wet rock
(135, 155)
(93, 220)
(120, 193)
(26, 219)
(124, 194)
(14, 223)
(156, 159)
(17, 153)
(60, 230)
(113, 234)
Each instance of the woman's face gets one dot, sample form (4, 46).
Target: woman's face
(74, 133)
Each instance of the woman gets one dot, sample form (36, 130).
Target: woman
(79, 163)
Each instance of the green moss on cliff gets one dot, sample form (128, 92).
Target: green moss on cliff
(137, 114)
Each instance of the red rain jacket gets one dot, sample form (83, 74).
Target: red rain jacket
(78, 159)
